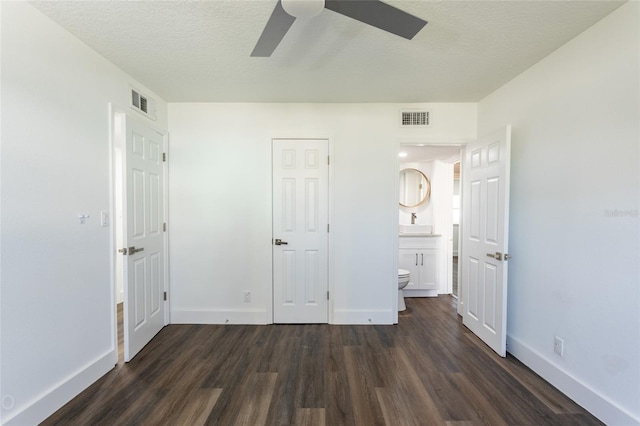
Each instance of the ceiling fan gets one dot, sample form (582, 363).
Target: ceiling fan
(372, 12)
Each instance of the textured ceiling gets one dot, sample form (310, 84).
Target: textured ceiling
(198, 51)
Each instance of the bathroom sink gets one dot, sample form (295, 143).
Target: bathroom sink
(407, 228)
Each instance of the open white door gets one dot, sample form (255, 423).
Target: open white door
(144, 254)
(300, 230)
(485, 237)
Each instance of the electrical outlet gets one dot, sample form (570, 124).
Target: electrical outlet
(247, 296)
(558, 346)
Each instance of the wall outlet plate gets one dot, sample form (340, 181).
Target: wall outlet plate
(247, 296)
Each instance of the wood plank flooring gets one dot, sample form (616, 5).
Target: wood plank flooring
(427, 370)
(454, 273)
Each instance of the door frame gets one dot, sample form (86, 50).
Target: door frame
(116, 112)
(330, 257)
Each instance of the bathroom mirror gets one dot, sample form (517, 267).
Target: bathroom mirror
(415, 188)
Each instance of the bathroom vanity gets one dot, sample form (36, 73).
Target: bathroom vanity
(419, 254)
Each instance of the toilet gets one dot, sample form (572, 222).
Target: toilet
(403, 280)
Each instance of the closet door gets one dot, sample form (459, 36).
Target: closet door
(300, 230)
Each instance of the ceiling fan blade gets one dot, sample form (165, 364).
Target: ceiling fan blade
(277, 26)
(379, 15)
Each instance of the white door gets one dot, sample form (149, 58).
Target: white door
(143, 229)
(485, 230)
(300, 231)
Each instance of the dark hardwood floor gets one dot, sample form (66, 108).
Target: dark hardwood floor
(119, 312)
(454, 278)
(427, 370)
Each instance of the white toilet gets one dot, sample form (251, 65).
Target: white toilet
(403, 280)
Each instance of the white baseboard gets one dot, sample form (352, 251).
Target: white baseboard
(219, 316)
(356, 317)
(53, 399)
(246, 317)
(420, 293)
(598, 405)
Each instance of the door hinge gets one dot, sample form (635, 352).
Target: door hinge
(165, 295)
(327, 294)
(328, 160)
(327, 227)
(164, 227)
(164, 157)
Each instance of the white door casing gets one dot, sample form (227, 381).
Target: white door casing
(144, 271)
(485, 237)
(300, 222)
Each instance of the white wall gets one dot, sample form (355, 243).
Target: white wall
(56, 296)
(575, 268)
(220, 204)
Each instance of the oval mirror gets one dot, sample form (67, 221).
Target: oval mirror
(415, 188)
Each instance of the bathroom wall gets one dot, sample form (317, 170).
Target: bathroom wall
(575, 226)
(220, 204)
(442, 206)
(424, 211)
(431, 212)
(57, 305)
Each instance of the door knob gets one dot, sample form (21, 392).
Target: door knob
(496, 256)
(279, 242)
(134, 250)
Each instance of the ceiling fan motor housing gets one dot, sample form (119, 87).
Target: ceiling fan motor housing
(303, 8)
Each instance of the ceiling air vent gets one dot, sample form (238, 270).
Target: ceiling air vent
(415, 119)
(143, 104)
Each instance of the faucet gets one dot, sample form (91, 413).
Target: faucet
(413, 218)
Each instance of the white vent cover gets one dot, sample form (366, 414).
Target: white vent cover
(143, 104)
(415, 119)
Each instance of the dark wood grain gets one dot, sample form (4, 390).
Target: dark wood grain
(427, 370)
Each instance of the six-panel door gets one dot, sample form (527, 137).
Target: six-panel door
(486, 237)
(144, 262)
(300, 220)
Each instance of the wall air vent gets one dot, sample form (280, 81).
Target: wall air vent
(143, 104)
(415, 118)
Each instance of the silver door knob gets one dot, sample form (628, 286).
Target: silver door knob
(134, 250)
(497, 255)
(279, 242)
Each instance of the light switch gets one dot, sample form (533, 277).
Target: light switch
(104, 218)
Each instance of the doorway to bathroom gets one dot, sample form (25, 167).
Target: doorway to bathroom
(437, 213)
